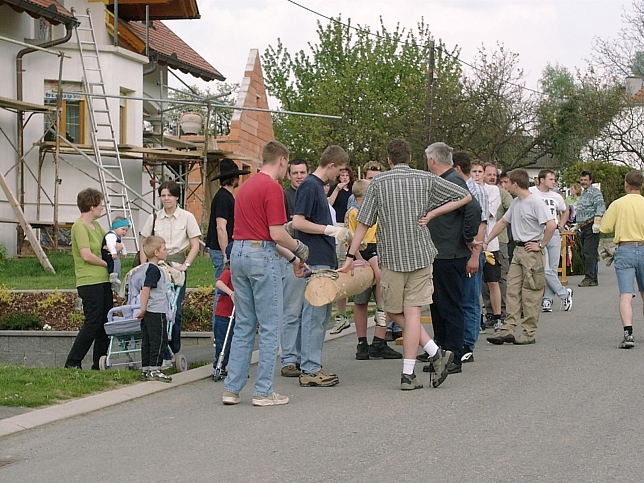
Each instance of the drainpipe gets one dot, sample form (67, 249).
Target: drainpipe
(20, 118)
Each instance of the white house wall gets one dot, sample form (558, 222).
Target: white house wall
(121, 70)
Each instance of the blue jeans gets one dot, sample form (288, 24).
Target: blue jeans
(315, 321)
(471, 288)
(174, 345)
(629, 266)
(257, 278)
(217, 258)
(221, 326)
(292, 322)
(553, 255)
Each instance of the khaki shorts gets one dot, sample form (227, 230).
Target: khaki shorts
(406, 289)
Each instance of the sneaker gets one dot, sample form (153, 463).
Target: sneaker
(409, 382)
(290, 370)
(167, 364)
(628, 342)
(490, 322)
(524, 340)
(383, 351)
(341, 323)
(397, 335)
(158, 376)
(270, 400)
(424, 357)
(438, 366)
(362, 352)
(454, 368)
(318, 379)
(567, 302)
(546, 305)
(230, 398)
(144, 375)
(498, 325)
(587, 282)
(500, 338)
(389, 336)
(468, 355)
(380, 318)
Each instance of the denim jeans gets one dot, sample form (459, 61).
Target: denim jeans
(291, 340)
(315, 321)
(257, 278)
(174, 345)
(553, 255)
(471, 288)
(217, 258)
(629, 266)
(221, 326)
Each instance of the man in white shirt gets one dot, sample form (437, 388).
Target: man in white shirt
(559, 212)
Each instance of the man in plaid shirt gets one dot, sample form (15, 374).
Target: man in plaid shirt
(403, 200)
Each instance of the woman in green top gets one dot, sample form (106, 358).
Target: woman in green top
(92, 279)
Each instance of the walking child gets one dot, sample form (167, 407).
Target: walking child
(224, 309)
(112, 245)
(155, 305)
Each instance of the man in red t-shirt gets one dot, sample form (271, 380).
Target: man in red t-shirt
(257, 276)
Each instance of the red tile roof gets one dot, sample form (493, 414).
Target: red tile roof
(49, 9)
(173, 51)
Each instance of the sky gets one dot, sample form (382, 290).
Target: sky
(540, 31)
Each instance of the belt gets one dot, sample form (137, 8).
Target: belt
(522, 244)
(631, 243)
(257, 243)
(587, 222)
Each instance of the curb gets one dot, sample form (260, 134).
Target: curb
(77, 407)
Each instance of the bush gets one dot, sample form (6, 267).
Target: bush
(20, 321)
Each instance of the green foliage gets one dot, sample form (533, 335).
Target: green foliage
(7, 297)
(4, 254)
(42, 386)
(52, 300)
(76, 317)
(20, 321)
(610, 176)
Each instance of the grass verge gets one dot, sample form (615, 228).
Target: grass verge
(43, 386)
(28, 274)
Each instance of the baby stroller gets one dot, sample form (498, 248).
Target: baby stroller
(124, 329)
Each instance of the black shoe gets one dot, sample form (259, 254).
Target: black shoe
(424, 357)
(498, 339)
(489, 321)
(397, 335)
(454, 368)
(468, 355)
(587, 282)
(362, 352)
(383, 351)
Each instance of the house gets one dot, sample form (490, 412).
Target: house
(46, 163)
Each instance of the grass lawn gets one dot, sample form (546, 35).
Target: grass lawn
(43, 386)
(28, 274)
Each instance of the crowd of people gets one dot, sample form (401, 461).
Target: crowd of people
(479, 247)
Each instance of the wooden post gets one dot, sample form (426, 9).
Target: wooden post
(325, 289)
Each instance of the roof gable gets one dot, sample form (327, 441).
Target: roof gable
(49, 9)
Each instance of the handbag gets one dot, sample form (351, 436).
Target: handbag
(137, 257)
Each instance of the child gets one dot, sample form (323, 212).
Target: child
(112, 244)
(224, 308)
(155, 305)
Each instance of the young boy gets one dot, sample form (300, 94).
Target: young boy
(112, 244)
(378, 348)
(155, 305)
(225, 304)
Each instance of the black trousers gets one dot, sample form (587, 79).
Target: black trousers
(589, 243)
(155, 339)
(97, 302)
(447, 306)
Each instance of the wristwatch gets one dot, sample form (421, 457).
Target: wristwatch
(187, 264)
(540, 246)
(351, 255)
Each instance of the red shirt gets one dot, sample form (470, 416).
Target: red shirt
(258, 205)
(224, 302)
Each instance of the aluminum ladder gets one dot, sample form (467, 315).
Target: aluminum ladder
(106, 152)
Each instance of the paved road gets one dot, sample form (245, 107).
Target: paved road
(566, 408)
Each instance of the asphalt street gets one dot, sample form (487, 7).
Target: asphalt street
(567, 408)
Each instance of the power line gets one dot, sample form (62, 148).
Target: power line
(368, 32)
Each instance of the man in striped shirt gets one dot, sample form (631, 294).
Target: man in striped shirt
(403, 200)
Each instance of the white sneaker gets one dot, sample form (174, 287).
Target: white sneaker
(567, 302)
(341, 323)
(546, 305)
(381, 318)
(270, 400)
(167, 364)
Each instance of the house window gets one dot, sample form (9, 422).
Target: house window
(73, 115)
(123, 116)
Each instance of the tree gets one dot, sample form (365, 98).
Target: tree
(609, 175)
(219, 117)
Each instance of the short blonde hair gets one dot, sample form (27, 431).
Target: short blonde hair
(151, 244)
(360, 188)
(274, 150)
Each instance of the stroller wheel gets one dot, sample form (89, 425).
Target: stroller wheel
(217, 375)
(103, 364)
(181, 363)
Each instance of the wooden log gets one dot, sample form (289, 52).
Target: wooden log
(322, 289)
